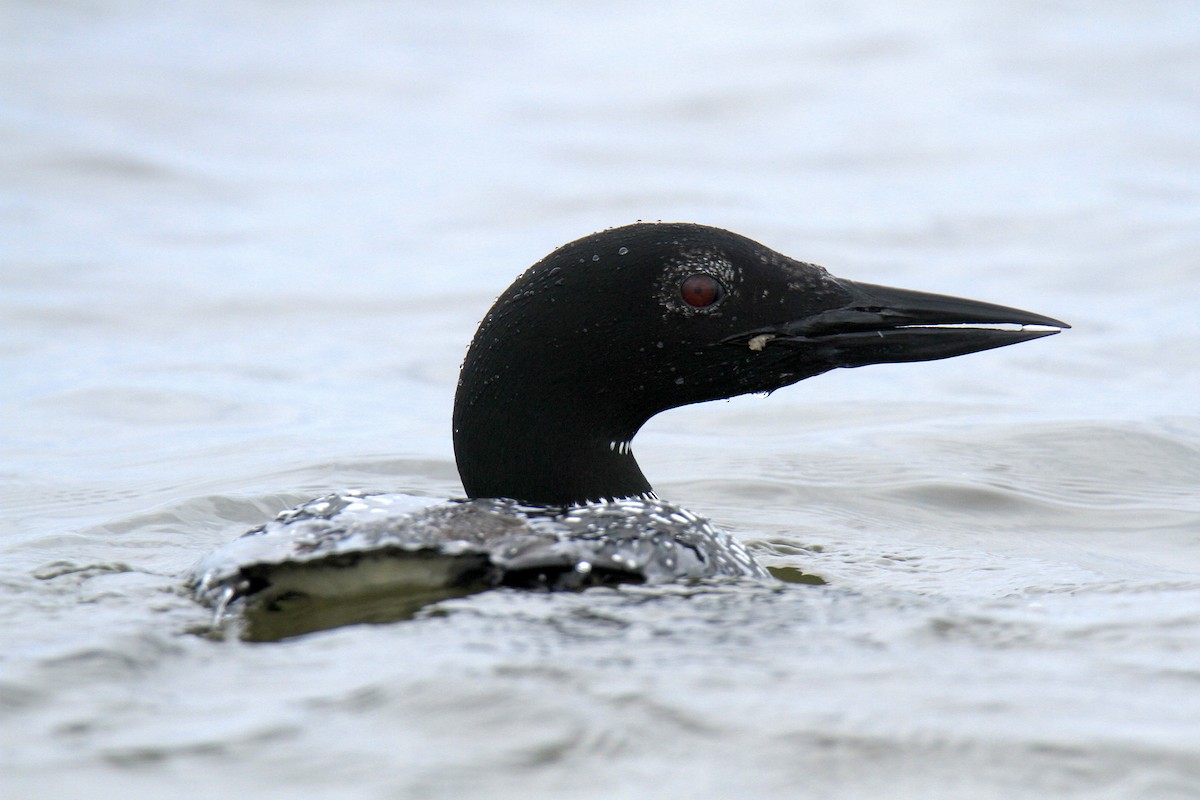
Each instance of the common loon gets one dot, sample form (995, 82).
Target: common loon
(570, 362)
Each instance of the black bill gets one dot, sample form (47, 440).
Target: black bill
(883, 325)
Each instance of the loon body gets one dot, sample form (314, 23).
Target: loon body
(570, 362)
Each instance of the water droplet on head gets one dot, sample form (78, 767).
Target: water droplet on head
(622, 251)
(596, 257)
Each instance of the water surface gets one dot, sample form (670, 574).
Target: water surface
(243, 247)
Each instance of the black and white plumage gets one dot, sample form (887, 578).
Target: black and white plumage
(571, 361)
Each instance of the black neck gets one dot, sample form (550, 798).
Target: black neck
(557, 380)
(541, 461)
(541, 430)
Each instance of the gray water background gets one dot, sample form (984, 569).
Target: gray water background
(243, 247)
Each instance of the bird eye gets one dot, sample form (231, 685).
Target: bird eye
(701, 290)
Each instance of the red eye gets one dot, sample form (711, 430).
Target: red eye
(701, 290)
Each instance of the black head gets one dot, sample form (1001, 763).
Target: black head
(609, 330)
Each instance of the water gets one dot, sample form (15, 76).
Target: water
(243, 247)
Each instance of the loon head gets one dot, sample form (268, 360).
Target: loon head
(611, 329)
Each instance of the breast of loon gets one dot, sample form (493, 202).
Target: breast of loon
(570, 362)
